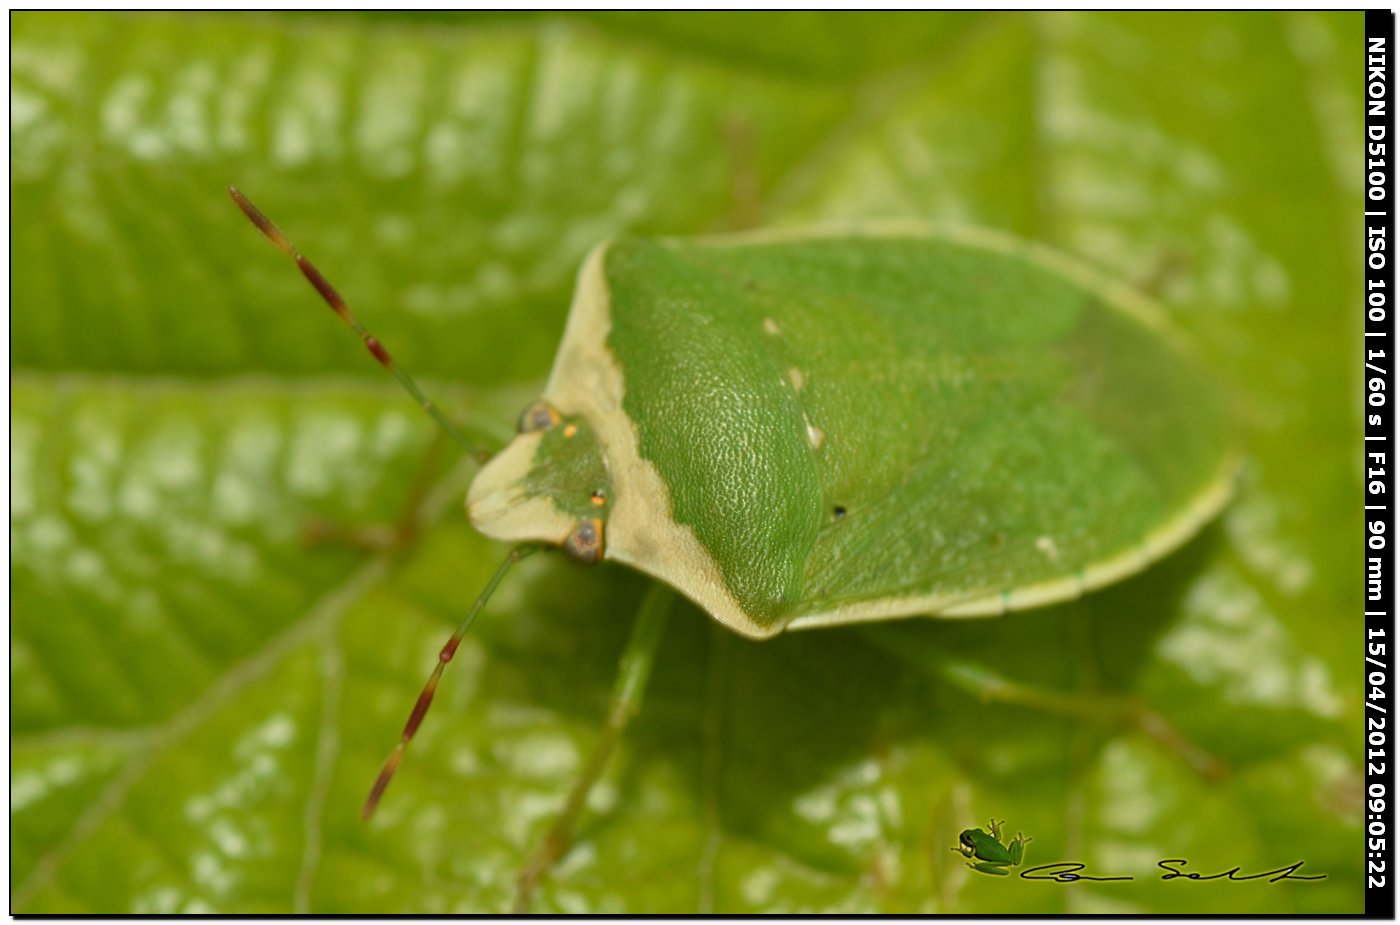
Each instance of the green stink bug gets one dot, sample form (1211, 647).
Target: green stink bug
(799, 430)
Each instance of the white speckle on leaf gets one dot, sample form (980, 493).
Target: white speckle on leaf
(1329, 776)
(86, 571)
(24, 447)
(235, 498)
(172, 460)
(138, 501)
(1047, 545)
(604, 796)
(889, 806)
(187, 110)
(847, 809)
(1315, 688)
(64, 771)
(465, 761)
(758, 886)
(495, 281)
(277, 731)
(25, 788)
(292, 141)
(26, 110)
(239, 492)
(1230, 640)
(539, 754)
(47, 534)
(770, 327)
(230, 841)
(815, 436)
(90, 492)
(322, 455)
(1127, 806)
(816, 806)
(796, 378)
(630, 204)
(256, 769)
(209, 871)
(394, 230)
(861, 825)
(1259, 528)
(162, 900)
(573, 903)
(524, 813)
(124, 118)
(582, 855)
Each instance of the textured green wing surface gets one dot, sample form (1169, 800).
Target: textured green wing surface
(854, 420)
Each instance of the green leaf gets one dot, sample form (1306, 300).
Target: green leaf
(199, 701)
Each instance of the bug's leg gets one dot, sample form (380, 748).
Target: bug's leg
(1165, 271)
(1018, 848)
(745, 197)
(990, 687)
(633, 672)
(995, 827)
(399, 534)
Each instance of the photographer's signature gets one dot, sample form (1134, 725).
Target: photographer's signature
(1069, 872)
(988, 854)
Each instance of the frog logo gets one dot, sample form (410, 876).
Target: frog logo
(992, 857)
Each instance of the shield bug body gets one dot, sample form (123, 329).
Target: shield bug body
(823, 429)
(799, 430)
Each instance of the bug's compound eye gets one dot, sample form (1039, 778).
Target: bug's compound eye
(585, 544)
(539, 416)
(966, 838)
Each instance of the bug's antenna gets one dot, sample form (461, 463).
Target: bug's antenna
(425, 699)
(333, 299)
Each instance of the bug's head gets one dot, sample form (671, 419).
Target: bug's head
(550, 484)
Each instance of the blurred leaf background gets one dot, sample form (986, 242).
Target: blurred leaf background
(199, 701)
